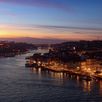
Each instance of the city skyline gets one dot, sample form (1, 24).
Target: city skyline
(51, 19)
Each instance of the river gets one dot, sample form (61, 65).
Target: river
(20, 84)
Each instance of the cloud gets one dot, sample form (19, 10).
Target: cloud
(41, 3)
(80, 30)
(67, 27)
(56, 27)
(90, 32)
(52, 32)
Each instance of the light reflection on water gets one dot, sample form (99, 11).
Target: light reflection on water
(100, 87)
(87, 86)
(20, 84)
(61, 78)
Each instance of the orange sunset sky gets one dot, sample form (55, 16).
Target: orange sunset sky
(53, 19)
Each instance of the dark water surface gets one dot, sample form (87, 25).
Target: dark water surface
(20, 84)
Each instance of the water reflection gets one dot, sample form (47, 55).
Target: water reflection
(87, 86)
(100, 87)
(55, 75)
(78, 80)
(57, 78)
(37, 71)
(61, 78)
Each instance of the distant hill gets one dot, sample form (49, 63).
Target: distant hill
(33, 40)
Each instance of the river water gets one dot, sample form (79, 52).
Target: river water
(20, 84)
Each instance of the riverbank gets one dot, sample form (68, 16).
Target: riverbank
(11, 49)
(83, 74)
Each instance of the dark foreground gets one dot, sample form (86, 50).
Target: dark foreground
(20, 84)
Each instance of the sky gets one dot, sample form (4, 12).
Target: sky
(52, 19)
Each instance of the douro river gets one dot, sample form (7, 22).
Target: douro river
(20, 84)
